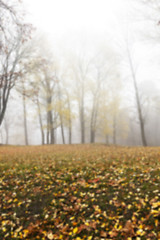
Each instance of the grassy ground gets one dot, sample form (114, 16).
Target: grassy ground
(79, 192)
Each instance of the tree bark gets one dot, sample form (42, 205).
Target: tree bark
(40, 122)
(60, 114)
(139, 108)
(82, 124)
(94, 117)
(114, 130)
(70, 123)
(6, 126)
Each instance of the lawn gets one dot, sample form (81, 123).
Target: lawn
(79, 192)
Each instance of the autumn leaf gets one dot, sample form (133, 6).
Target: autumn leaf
(128, 228)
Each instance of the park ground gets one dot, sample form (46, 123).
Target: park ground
(79, 192)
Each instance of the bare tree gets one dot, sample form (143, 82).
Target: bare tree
(13, 35)
(99, 78)
(80, 70)
(137, 97)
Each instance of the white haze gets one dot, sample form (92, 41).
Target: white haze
(70, 23)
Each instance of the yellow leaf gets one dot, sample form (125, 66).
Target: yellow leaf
(140, 232)
(25, 232)
(129, 206)
(75, 230)
(89, 238)
(19, 203)
(4, 229)
(156, 204)
(156, 222)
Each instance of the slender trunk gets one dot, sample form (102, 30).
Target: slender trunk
(114, 130)
(92, 128)
(69, 121)
(70, 124)
(55, 134)
(6, 130)
(40, 122)
(139, 109)
(62, 131)
(82, 117)
(25, 116)
(52, 136)
(141, 120)
(94, 119)
(70, 135)
(51, 129)
(82, 125)
(48, 129)
(107, 139)
(61, 114)
(92, 138)
(70, 131)
(3, 103)
(92, 134)
(144, 141)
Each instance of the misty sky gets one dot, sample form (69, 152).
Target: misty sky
(67, 22)
(58, 17)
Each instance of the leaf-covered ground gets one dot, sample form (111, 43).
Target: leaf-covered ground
(79, 192)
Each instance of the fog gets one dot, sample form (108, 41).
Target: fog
(89, 74)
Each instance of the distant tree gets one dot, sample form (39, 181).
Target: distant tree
(80, 73)
(139, 105)
(69, 116)
(99, 77)
(22, 89)
(42, 87)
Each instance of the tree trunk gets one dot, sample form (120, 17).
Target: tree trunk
(82, 125)
(82, 117)
(3, 103)
(6, 131)
(94, 118)
(52, 129)
(52, 136)
(92, 131)
(70, 135)
(69, 121)
(48, 129)
(62, 131)
(114, 130)
(139, 109)
(60, 114)
(40, 122)
(92, 138)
